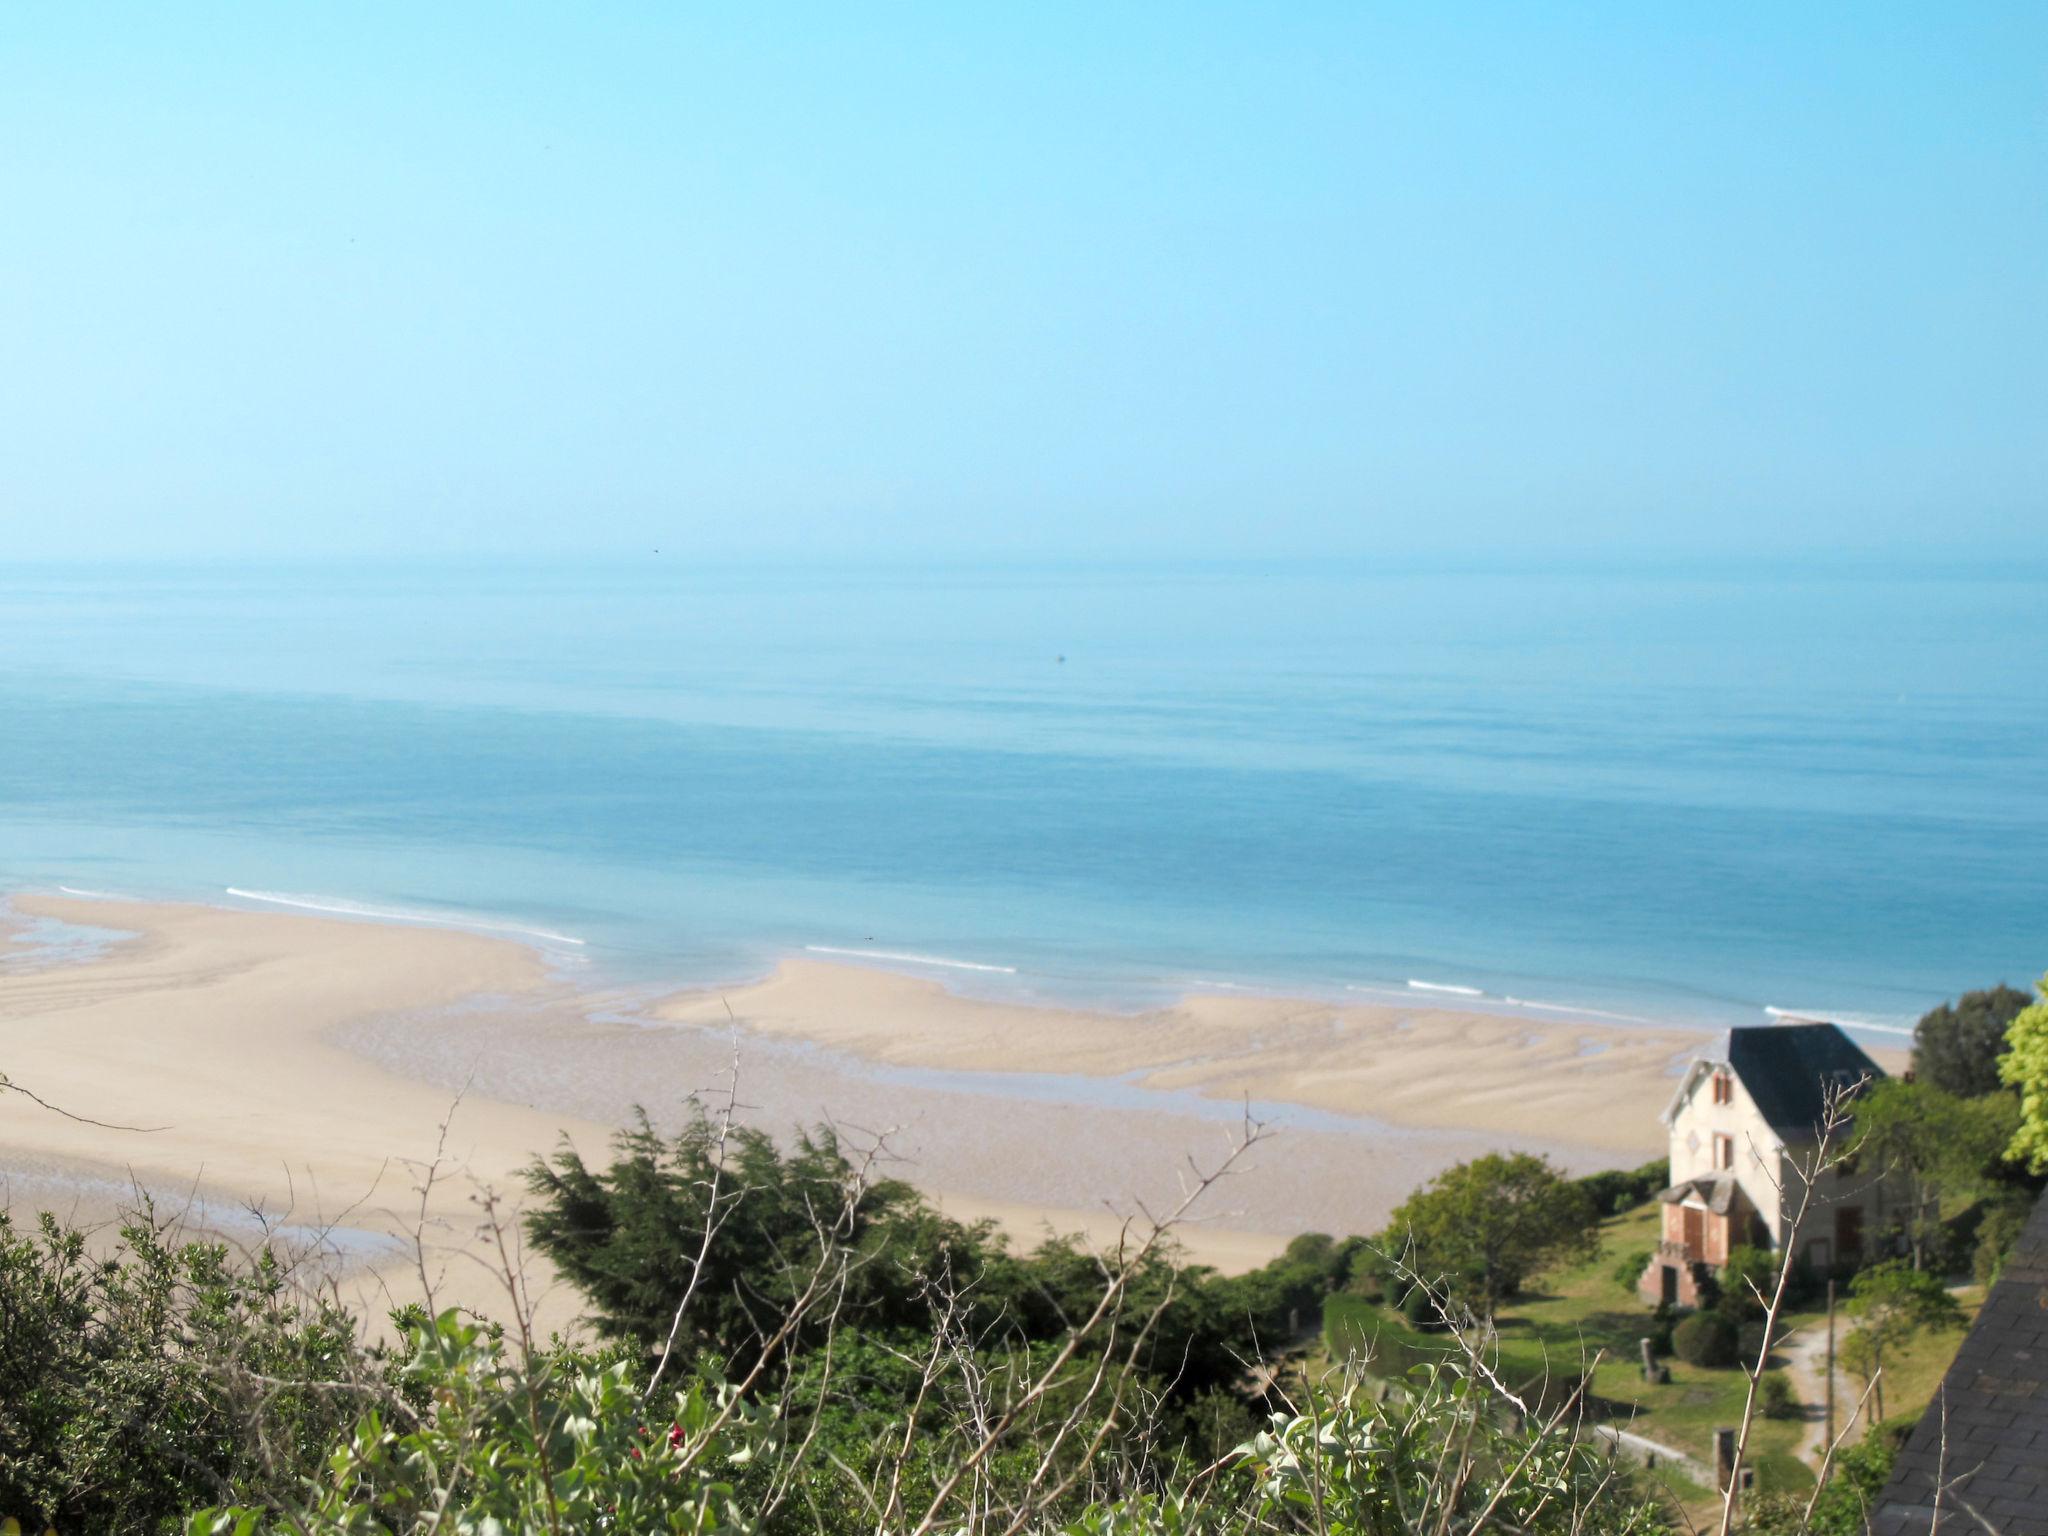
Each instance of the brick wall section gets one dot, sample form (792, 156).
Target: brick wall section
(1995, 1403)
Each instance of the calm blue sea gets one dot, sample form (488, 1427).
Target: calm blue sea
(1683, 793)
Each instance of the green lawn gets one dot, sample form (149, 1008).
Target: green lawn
(1912, 1373)
(1567, 1318)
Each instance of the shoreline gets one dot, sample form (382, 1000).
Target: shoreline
(1108, 993)
(321, 1051)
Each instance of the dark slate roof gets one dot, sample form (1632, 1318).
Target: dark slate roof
(1787, 1068)
(1992, 1410)
(1717, 1190)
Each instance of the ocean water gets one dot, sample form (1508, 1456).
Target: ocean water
(1676, 793)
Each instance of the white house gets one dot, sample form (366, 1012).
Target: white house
(1745, 1118)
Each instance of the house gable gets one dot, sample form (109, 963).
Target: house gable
(1747, 1109)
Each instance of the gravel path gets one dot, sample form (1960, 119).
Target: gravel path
(1805, 1355)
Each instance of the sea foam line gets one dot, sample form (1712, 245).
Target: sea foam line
(401, 915)
(1844, 1020)
(1509, 1001)
(1444, 986)
(908, 959)
(72, 890)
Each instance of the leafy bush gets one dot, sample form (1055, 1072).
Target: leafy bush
(1776, 1397)
(1440, 1460)
(1628, 1272)
(1843, 1507)
(538, 1447)
(1748, 1272)
(1614, 1190)
(514, 1450)
(1422, 1310)
(1997, 1230)
(1706, 1339)
(133, 1384)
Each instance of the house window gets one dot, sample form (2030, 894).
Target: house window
(1724, 1088)
(1724, 1151)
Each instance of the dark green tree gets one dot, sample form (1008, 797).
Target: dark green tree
(1956, 1046)
(1489, 1224)
(633, 1237)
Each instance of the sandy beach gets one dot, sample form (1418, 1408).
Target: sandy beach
(296, 1070)
(1417, 1065)
(196, 1052)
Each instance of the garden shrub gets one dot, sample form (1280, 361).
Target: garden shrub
(1629, 1271)
(1996, 1233)
(1776, 1396)
(1421, 1310)
(1706, 1339)
(1747, 1272)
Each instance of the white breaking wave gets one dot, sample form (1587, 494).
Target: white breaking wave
(342, 908)
(1444, 986)
(72, 890)
(907, 959)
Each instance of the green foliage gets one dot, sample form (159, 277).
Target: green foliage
(2025, 1067)
(1956, 1047)
(1368, 1275)
(1997, 1231)
(132, 1384)
(537, 1446)
(1487, 1225)
(1749, 1273)
(510, 1449)
(631, 1237)
(1422, 1310)
(133, 1390)
(1628, 1273)
(1842, 1508)
(1706, 1339)
(1935, 1147)
(1893, 1303)
(1439, 1459)
(1614, 1190)
(1776, 1398)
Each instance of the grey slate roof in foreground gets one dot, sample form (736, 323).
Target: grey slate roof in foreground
(1788, 1069)
(1992, 1409)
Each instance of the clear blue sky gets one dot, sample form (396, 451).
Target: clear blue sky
(1063, 280)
